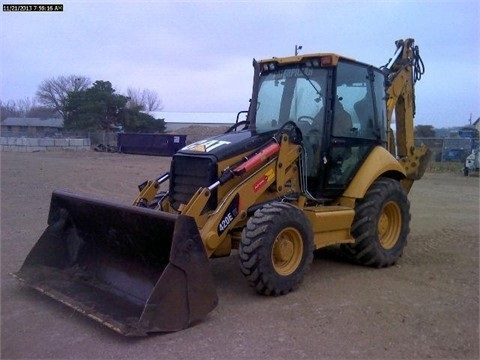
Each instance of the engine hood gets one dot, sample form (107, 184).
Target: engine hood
(227, 145)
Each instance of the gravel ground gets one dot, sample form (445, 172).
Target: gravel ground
(426, 306)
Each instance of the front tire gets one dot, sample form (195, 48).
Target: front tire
(381, 225)
(276, 249)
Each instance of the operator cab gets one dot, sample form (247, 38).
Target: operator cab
(339, 106)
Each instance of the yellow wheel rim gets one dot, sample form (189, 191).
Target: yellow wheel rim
(389, 225)
(287, 251)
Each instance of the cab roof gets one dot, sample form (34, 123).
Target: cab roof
(327, 59)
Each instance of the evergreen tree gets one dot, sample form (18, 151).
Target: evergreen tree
(100, 108)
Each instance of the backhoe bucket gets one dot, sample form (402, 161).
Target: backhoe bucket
(133, 269)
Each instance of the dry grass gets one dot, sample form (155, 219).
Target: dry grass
(445, 167)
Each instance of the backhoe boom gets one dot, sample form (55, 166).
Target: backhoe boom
(401, 74)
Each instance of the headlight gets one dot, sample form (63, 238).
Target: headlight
(313, 62)
(271, 66)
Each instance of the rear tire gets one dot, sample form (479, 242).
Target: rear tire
(276, 249)
(381, 225)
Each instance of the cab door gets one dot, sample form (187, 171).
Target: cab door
(356, 120)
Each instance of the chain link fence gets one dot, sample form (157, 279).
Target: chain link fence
(449, 149)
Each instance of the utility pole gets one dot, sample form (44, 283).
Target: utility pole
(297, 47)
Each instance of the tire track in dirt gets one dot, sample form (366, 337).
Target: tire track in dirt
(434, 247)
(121, 184)
(120, 191)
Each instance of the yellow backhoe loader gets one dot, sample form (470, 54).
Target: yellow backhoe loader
(314, 164)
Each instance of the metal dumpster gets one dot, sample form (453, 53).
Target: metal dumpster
(150, 144)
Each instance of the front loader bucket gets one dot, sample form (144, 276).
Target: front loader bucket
(133, 269)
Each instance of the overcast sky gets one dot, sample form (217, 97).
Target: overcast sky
(197, 55)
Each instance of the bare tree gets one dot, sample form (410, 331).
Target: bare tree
(25, 105)
(135, 99)
(42, 112)
(152, 100)
(53, 92)
(9, 109)
(145, 100)
(19, 108)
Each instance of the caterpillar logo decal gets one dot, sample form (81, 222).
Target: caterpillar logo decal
(229, 215)
(206, 145)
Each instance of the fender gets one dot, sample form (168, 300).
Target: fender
(378, 163)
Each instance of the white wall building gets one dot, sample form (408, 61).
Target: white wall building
(177, 120)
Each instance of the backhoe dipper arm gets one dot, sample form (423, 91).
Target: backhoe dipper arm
(403, 70)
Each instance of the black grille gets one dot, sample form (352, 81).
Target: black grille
(187, 175)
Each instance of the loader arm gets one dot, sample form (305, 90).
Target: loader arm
(404, 69)
(269, 174)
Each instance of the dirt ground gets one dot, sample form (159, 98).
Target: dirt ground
(426, 306)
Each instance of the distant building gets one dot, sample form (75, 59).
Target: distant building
(476, 124)
(36, 127)
(31, 127)
(177, 120)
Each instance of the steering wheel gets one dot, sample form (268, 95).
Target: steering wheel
(310, 133)
(306, 119)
